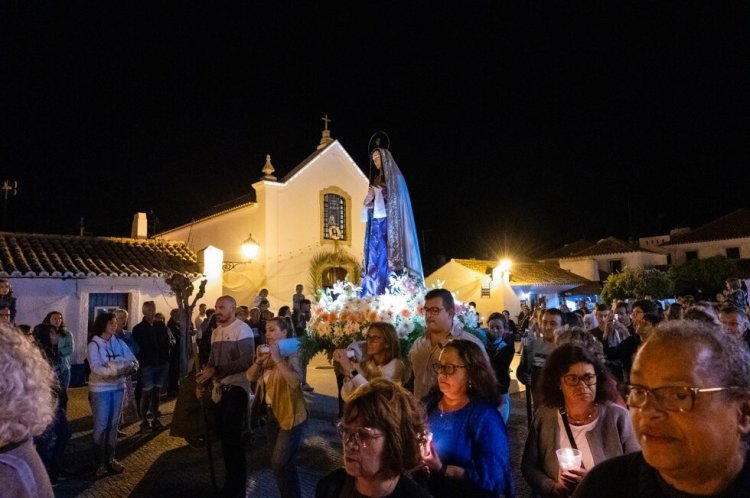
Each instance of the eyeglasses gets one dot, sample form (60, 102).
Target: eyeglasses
(572, 380)
(447, 369)
(363, 436)
(433, 311)
(671, 398)
(4, 314)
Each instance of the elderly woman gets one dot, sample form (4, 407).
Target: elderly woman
(690, 405)
(27, 408)
(279, 395)
(577, 412)
(381, 360)
(383, 432)
(111, 362)
(468, 455)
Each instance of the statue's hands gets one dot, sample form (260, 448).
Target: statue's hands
(370, 198)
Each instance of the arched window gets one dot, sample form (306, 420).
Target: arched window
(335, 216)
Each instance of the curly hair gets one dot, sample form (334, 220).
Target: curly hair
(560, 361)
(383, 405)
(482, 380)
(26, 387)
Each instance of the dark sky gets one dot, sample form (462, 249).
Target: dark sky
(517, 124)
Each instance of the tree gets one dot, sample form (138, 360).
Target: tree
(637, 283)
(183, 288)
(703, 276)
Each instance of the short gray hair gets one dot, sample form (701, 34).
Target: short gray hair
(26, 387)
(730, 361)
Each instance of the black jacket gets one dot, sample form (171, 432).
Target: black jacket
(153, 342)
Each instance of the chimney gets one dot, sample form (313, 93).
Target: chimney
(140, 226)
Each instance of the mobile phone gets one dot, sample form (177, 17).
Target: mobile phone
(350, 354)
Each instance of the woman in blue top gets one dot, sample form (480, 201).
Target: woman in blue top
(468, 455)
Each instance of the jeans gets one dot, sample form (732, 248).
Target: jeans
(105, 410)
(229, 418)
(286, 444)
(51, 445)
(154, 376)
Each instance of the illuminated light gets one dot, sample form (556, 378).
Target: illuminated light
(504, 265)
(250, 248)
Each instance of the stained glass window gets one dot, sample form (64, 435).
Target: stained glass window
(334, 217)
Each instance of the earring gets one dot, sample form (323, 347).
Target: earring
(469, 384)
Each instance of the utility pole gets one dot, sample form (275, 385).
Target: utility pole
(9, 188)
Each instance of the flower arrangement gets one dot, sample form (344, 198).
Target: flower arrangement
(343, 316)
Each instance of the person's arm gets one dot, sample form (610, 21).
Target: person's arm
(97, 364)
(65, 346)
(288, 367)
(490, 462)
(532, 462)
(524, 368)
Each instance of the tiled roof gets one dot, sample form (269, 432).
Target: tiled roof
(731, 226)
(527, 273)
(568, 249)
(610, 245)
(67, 256)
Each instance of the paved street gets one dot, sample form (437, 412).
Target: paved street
(158, 465)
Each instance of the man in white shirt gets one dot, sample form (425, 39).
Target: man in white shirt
(439, 311)
(232, 351)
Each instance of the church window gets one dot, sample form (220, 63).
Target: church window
(733, 253)
(334, 217)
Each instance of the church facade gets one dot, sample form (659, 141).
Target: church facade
(306, 226)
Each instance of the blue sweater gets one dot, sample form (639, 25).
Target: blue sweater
(475, 439)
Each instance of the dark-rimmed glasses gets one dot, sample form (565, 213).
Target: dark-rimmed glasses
(447, 369)
(671, 398)
(572, 380)
(433, 311)
(362, 436)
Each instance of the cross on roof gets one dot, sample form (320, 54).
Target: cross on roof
(326, 120)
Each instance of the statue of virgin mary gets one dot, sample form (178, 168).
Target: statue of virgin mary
(391, 244)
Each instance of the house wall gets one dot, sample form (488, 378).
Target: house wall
(589, 267)
(586, 268)
(708, 249)
(38, 296)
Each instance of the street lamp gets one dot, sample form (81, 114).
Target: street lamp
(249, 249)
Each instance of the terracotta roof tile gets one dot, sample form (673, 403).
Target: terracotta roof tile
(610, 245)
(568, 249)
(734, 225)
(527, 273)
(39, 255)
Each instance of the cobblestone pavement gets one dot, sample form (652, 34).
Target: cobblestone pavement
(158, 465)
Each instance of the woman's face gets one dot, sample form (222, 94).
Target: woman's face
(376, 159)
(274, 333)
(110, 330)
(375, 342)
(4, 288)
(455, 385)
(363, 449)
(580, 392)
(56, 320)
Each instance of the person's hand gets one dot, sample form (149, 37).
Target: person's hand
(342, 359)
(570, 479)
(207, 373)
(263, 355)
(431, 458)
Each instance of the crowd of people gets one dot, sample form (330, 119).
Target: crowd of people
(626, 399)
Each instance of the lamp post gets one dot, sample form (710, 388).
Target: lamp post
(249, 249)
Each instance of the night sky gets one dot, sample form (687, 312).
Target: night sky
(518, 127)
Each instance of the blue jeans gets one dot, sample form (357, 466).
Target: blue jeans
(105, 410)
(154, 376)
(286, 445)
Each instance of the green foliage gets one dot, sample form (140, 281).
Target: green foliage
(637, 283)
(703, 276)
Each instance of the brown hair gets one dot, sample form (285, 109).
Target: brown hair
(482, 380)
(383, 405)
(391, 341)
(560, 361)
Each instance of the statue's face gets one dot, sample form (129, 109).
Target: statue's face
(376, 159)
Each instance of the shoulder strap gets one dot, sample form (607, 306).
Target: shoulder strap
(564, 416)
(26, 476)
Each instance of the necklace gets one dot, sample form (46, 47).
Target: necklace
(444, 408)
(585, 419)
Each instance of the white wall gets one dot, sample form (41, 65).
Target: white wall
(38, 296)
(708, 249)
(589, 267)
(586, 268)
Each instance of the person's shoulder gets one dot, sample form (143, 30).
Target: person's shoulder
(618, 476)
(244, 329)
(406, 487)
(331, 484)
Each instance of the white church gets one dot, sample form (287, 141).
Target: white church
(304, 227)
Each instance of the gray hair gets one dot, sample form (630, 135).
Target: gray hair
(730, 361)
(579, 337)
(26, 387)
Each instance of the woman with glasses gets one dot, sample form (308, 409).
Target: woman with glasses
(577, 412)
(382, 431)
(468, 454)
(111, 362)
(381, 360)
(689, 401)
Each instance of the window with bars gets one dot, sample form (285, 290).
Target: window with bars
(334, 217)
